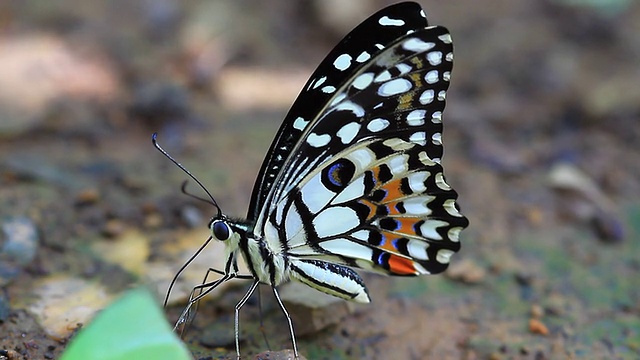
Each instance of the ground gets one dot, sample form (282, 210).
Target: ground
(541, 143)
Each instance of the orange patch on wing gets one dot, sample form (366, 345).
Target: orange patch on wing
(401, 266)
(393, 190)
(406, 224)
(391, 208)
(372, 208)
(388, 244)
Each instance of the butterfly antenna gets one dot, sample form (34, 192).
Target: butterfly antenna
(184, 266)
(183, 188)
(155, 143)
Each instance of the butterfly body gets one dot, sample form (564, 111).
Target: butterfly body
(353, 178)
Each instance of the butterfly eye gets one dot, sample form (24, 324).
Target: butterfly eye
(220, 230)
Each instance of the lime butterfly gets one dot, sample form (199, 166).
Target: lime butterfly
(353, 178)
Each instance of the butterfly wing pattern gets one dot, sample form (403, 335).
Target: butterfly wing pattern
(353, 178)
(362, 184)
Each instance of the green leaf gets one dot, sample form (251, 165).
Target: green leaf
(133, 327)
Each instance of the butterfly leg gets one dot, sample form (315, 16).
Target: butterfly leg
(286, 314)
(187, 314)
(264, 333)
(239, 305)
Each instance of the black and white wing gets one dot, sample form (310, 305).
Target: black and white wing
(354, 176)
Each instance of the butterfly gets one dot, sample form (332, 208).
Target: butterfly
(353, 178)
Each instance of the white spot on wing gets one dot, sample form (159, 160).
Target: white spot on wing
(441, 183)
(319, 82)
(364, 56)
(398, 144)
(342, 62)
(436, 138)
(416, 117)
(434, 57)
(378, 124)
(445, 38)
(436, 117)
(425, 159)
(348, 132)
(428, 229)
(449, 57)
(362, 157)
(351, 106)
(416, 181)
(383, 76)
(394, 87)
(419, 138)
(427, 97)
(431, 77)
(450, 206)
(316, 140)
(442, 95)
(418, 249)
(299, 123)
(444, 256)
(387, 21)
(361, 235)
(417, 45)
(362, 81)
(335, 220)
(454, 234)
(328, 89)
(418, 205)
(398, 164)
(403, 68)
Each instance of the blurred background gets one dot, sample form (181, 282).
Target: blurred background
(541, 142)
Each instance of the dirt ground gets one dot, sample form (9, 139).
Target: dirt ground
(542, 134)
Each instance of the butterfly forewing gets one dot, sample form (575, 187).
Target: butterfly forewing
(358, 47)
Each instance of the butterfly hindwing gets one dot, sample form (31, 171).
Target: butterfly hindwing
(389, 212)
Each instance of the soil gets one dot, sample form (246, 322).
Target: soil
(542, 128)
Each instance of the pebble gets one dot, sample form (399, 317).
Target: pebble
(536, 311)
(583, 200)
(19, 244)
(87, 197)
(538, 327)
(114, 228)
(466, 271)
(5, 307)
(61, 303)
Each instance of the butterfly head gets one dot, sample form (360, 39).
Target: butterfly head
(220, 229)
(229, 231)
